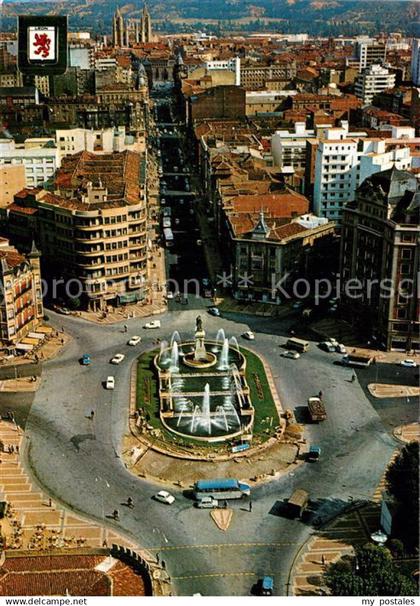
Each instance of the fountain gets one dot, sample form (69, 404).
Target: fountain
(233, 341)
(202, 387)
(205, 407)
(224, 356)
(174, 366)
(220, 337)
(163, 354)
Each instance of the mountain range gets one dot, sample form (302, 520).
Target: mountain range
(316, 17)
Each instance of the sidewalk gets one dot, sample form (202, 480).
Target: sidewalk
(36, 523)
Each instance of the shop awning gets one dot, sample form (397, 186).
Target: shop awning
(24, 346)
(131, 297)
(29, 341)
(46, 330)
(36, 335)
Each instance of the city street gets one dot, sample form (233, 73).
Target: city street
(77, 460)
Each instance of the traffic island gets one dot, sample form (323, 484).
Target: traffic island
(267, 447)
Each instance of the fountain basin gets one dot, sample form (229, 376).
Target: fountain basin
(206, 361)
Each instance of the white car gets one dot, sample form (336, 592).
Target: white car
(134, 340)
(293, 355)
(163, 496)
(328, 346)
(117, 359)
(408, 363)
(207, 503)
(340, 349)
(169, 294)
(249, 335)
(153, 324)
(110, 383)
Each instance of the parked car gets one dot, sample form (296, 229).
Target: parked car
(169, 294)
(249, 335)
(86, 359)
(293, 355)
(408, 363)
(214, 311)
(134, 340)
(117, 359)
(163, 496)
(266, 586)
(327, 346)
(153, 324)
(207, 503)
(110, 382)
(340, 348)
(63, 310)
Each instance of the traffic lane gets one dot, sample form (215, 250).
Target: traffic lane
(393, 411)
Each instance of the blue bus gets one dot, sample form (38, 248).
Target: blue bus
(225, 488)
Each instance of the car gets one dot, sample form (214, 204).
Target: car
(207, 503)
(249, 335)
(170, 294)
(266, 586)
(327, 346)
(86, 359)
(135, 340)
(340, 348)
(163, 496)
(214, 311)
(117, 359)
(63, 310)
(153, 324)
(408, 363)
(110, 383)
(293, 355)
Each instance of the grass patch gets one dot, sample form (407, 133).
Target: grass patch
(261, 398)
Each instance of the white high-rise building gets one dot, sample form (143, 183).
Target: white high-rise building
(370, 52)
(415, 62)
(343, 161)
(39, 157)
(289, 148)
(373, 80)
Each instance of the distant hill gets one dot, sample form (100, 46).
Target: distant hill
(316, 17)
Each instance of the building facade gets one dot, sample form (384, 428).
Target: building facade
(93, 230)
(21, 309)
(39, 160)
(12, 180)
(415, 62)
(372, 81)
(380, 252)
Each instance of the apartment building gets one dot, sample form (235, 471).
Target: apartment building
(370, 52)
(12, 180)
(92, 230)
(74, 140)
(256, 76)
(39, 158)
(380, 245)
(233, 65)
(21, 309)
(372, 81)
(338, 165)
(415, 62)
(289, 148)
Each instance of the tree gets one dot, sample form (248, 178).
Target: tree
(403, 484)
(371, 572)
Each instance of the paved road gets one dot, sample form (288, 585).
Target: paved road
(76, 459)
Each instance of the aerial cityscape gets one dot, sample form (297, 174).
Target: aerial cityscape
(209, 312)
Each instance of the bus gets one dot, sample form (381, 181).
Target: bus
(297, 344)
(226, 488)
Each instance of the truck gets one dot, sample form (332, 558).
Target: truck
(357, 360)
(317, 409)
(298, 502)
(297, 344)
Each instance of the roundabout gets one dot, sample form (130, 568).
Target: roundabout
(83, 462)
